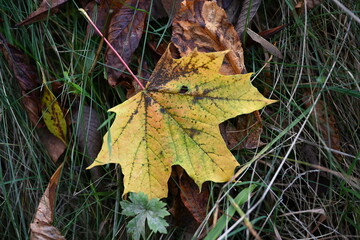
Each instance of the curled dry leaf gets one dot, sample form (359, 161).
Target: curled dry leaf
(232, 8)
(204, 25)
(125, 31)
(171, 6)
(248, 11)
(41, 227)
(265, 44)
(99, 14)
(28, 79)
(26, 75)
(54, 146)
(46, 7)
(195, 201)
(267, 34)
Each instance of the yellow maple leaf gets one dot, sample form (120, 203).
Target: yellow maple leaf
(175, 121)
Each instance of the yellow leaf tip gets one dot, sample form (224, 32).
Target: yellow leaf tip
(91, 166)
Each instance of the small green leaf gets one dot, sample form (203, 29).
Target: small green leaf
(143, 209)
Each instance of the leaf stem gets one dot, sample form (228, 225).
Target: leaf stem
(83, 12)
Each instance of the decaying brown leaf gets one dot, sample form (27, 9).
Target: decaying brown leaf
(54, 146)
(86, 2)
(195, 201)
(232, 9)
(264, 43)
(47, 7)
(41, 227)
(28, 79)
(320, 181)
(125, 31)
(204, 25)
(26, 75)
(86, 122)
(182, 217)
(267, 34)
(171, 6)
(99, 13)
(248, 11)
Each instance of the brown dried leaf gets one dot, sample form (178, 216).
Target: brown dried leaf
(99, 14)
(125, 31)
(248, 11)
(46, 8)
(182, 217)
(272, 31)
(89, 139)
(54, 146)
(318, 181)
(143, 74)
(232, 9)
(28, 79)
(195, 201)
(204, 25)
(171, 6)
(264, 43)
(41, 227)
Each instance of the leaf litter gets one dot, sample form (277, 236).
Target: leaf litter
(125, 31)
(233, 64)
(27, 77)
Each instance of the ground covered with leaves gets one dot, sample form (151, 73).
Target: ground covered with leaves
(276, 156)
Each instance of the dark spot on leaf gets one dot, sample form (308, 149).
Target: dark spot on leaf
(184, 89)
(206, 91)
(193, 132)
(162, 110)
(196, 99)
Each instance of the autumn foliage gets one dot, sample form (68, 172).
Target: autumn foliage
(174, 121)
